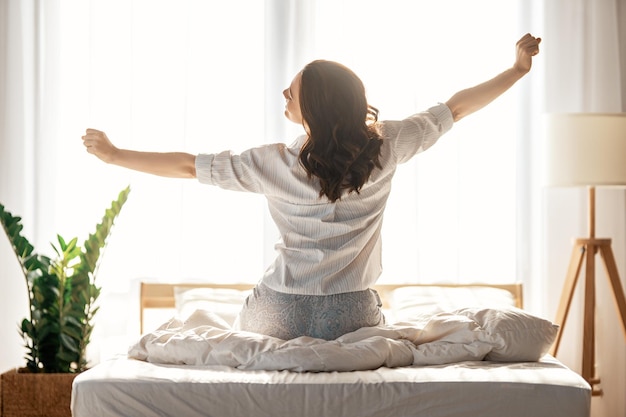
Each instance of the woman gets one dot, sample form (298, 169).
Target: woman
(327, 193)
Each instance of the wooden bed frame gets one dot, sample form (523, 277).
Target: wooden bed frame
(154, 295)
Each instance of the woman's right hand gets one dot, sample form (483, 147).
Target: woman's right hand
(168, 164)
(98, 144)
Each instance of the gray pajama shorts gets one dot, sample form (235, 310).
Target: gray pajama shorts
(287, 316)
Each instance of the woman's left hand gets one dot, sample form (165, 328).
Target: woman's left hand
(527, 47)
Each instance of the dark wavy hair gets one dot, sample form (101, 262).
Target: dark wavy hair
(343, 146)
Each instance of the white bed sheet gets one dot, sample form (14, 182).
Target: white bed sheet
(127, 387)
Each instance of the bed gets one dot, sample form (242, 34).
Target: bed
(128, 387)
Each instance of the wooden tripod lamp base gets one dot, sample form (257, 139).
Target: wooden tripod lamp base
(584, 251)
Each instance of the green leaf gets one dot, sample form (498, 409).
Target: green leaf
(74, 333)
(70, 343)
(27, 327)
(67, 357)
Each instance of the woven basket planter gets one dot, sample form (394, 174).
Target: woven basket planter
(24, 394)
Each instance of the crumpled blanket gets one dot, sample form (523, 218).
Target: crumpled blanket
(468, 334)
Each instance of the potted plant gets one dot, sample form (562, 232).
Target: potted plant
(62, 294)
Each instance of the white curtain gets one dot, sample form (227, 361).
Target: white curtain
(202, 76)
(18, 37)
(154, 75)
(585, 52)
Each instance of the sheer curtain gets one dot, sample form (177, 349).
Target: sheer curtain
(202, 76)
(155, 75)
(585, 52)
(17, 78)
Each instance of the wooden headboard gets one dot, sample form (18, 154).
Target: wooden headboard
(161, 295)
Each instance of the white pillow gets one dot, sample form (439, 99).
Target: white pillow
(407, 303)
(517, 336)
(224, 302)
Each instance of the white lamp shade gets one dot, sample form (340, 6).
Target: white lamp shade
(586, 149)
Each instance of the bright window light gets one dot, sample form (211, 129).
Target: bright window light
(191, 76)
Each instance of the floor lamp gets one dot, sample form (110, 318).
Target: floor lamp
(587, 150)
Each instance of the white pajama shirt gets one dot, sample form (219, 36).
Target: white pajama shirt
(324, 247)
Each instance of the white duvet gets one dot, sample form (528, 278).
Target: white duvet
(505, 334)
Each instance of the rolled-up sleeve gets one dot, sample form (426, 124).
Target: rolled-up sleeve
(231, 171)
(204, 162)
(419, 132)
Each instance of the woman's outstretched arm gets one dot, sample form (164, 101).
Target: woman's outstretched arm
(170, 164)
(468, 101)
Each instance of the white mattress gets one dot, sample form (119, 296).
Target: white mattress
(126, 387)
